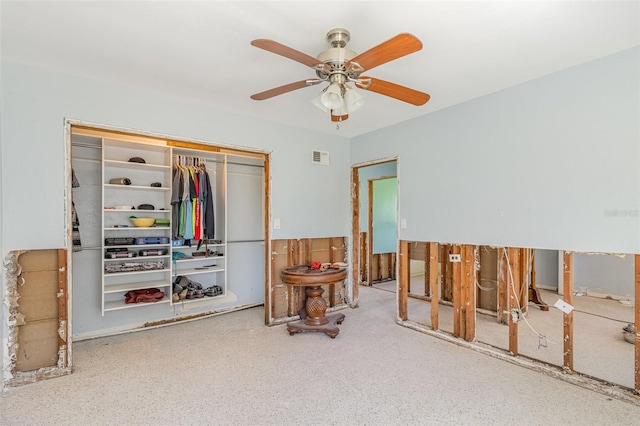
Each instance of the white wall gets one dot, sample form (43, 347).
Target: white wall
(552, 163)
(36, 102)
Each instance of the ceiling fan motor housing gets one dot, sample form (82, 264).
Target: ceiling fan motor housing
(338, 37)
(336, 56)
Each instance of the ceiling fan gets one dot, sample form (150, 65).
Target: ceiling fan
(339, 66)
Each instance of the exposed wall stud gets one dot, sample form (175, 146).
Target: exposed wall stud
(403, 279)
(432, 262)
(456, 283)
(503, 287)
(356, 261)
(469, 291)
(567, 319)
(513, 290)
(637, 323)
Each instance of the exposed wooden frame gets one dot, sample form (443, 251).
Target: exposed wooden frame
(457, 292)
(63, 365)
(403, 280)
(502, 310)
(63, 302)
(447, 273)
(469, 292)
(514, 265)
(427, 271)
(293, 294)
(513, 289)
(355, 236)
(567, 319)
(369, 281)
(432, 276)
(268, 273)
(523, 295)
(637, 323)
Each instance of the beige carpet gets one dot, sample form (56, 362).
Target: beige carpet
(233, 370)
(600, 350)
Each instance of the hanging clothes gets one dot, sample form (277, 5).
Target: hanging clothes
(75, 222)
(176, 197)
(209, 219)
(192, 210)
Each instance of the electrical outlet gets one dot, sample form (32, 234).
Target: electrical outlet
(516, 315)
(563, 306)
(403, 223)
(276, 223)
(454, 258)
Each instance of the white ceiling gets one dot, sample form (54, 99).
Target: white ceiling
(201, 50)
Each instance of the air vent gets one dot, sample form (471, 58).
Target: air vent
(320, 157)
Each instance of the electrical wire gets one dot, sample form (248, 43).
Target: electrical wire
(475, 276)
(541, 337)
(601, 316)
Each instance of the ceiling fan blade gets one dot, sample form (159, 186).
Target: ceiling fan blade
(284, 89)
(394, 48)
(287, 52)
(395, 91)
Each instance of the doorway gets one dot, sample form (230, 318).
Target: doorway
(382, 233)
(374, 222)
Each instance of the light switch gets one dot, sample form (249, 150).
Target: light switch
(276, 223)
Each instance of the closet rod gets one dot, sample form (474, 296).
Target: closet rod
(208, 160)
(90, 160)
(220, 161)
(245, 241)
(245, 164)
(86, 145)
(90, 248)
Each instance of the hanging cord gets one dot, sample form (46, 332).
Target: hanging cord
(542, 339)
(475, 276)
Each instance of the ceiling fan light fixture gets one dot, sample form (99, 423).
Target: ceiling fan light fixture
(352, 99)
(331, 98)
(317, 101)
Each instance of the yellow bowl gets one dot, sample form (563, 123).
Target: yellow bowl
(143, 221)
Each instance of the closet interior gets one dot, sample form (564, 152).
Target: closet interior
(162, 232)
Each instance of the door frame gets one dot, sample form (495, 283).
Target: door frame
(355, 221)
(370, 201)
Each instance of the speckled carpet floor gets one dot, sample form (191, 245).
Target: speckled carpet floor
(233, 370)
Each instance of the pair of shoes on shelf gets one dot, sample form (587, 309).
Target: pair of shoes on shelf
(194, 290)
(214, 290)
(195, 294)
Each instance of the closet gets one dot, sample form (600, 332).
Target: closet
(204, 213)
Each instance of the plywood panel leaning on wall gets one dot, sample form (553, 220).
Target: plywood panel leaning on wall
(36, 299)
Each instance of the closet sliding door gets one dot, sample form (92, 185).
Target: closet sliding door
(245, 228)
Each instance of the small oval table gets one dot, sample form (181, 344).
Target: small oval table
(316, 306)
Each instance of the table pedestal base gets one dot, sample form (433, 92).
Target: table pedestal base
(330, 328)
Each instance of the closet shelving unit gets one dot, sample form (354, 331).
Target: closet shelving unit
(208, 270)
(119, 202)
